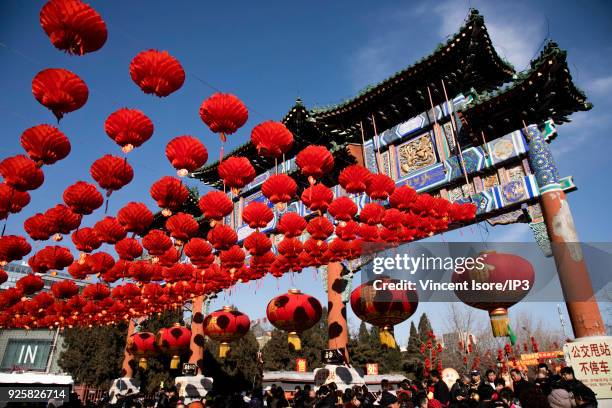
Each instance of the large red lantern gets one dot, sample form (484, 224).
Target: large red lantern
(257, 243)
(382, 305)
(379, 186)
(496, 269)
(86, 239)
(223, 114)
(257, 215)
(236, 172)
(271, 139)
(64, 289)
(186, 154)
(59, 90)
(128, 249)
(157, 72)
(215, 205)
(317, 197)
(13, 248)
(314, 162)
(109, 230)
(83, 198)
(174, 340)
(225, 326)
(73, 26)
(11, 200)
(45, 144)
(21, 173)
(294, 312)
(129, 128)
(222, 237)
(142, 346)
(279, 189)
(199, 252)
(30, 284)
(291, 225)
(111, 173)
(182, 227)
(170, 194)
(156, 242)
(343, 209)
(353, 179)
(62, 220)
(403, 198)
(135, 217)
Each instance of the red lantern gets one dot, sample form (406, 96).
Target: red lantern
(13, 248)
(142, 346)
(314, 161)
(83, 198)
(461, 212)
(257, 215)
(182, 227)
(393, 219)
(129, 128)
(135, 217)
(157, 72)
(383, 307)
(64, 289)
(21, 173)
(279, 188)
(186, 154)
(271, 139)
(379, 186)
(45, 144)
(30, 284)
(223, 114)
(73, 26)
(290, 248)
(403, 198)
(372, 214)
(291, 225)
(343, 209)
(178, 272)
(111, 173)
(226, 325)
(317, 197)
(11, 200)
(236, 172)
(348, 231)
(215, 205)
(199, 252)
(96, 291)
(109, 230)
(59, 90)
(170, 194)
(320, 228)
(99, 262)
(128, 249)
(222, 237)
(294, 312)
(169, 258)
(174, 340)
(62, 220)
(86, 240)
(353, 179)
(156, 242)
(232, 259)
(498, 268)
(257, 243)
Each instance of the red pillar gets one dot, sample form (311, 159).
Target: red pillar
(336, 319)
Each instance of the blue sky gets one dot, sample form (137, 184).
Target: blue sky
(268, 53)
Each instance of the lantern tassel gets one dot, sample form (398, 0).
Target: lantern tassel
(143, 363)
(174, 363)
(224, 348)
(386, 338)
(499, 322)
(294, 340)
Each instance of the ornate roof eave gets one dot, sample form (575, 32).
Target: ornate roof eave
(546, 90)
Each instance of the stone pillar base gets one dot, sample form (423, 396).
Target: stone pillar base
(344, 376)
(193, 388)
(121, 387)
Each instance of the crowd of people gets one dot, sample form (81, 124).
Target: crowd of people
(471, 390)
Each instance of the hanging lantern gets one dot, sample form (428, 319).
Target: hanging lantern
(403, 198)
(294, 312)
(257, 243)
(83, 198)
(236, 172)
(215, 205)
(222, 237)
(73, 26)
(353, 179)
(45, 144)
(232, 259)
(257, 215)
(314, 162)
(156, 242)
(111, 173)
(21, 173)
(320, 228)
(271, 139)
(157, 72)
(129, 128)
(223, 114)
(174, 340)
(372, 214)
(379, 186)
(186, 154)
(169, 258)
(96, 291)
(135, 217)
(290, 248)
(343, 209)
(199, 252)
(182, 227)
(30, 284)
(348, 231)
(13, 248)
(225, 326)
(291, 225)
(317, 197)
(86, 240)
(109, 230)
(128, 249)
(59, 90)
(383, 308)
(64, 289)
(279, 189)
(497, 268)
(11, 200)
(462, 212)
(62, 221)
(99, 262)
(393, 219)
(170, 194)
(142, 346)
